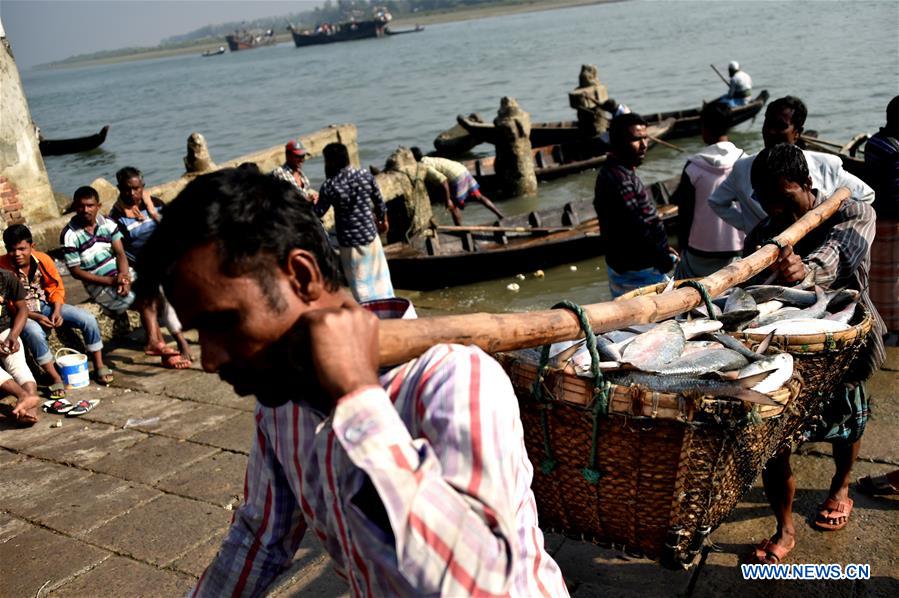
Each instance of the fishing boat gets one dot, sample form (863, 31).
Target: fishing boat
(562, 159)
(460, 255)
(221, 50)
(58, 147)
(471, 130)
(328, 33)
(247, 40)
(850, 153)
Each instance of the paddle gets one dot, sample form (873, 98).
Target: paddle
(717, 72)
(401, 340)
(666, 144)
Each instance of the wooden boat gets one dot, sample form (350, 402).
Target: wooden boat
(471, 130)
(417, 29)
(526, 242)
(58, 147)
(328, 33)
(850, 153)
(554, 161)
(247, 40)
(221, 50)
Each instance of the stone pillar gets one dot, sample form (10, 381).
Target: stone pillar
(25, 193)
(586, 100)
(514, 163)
(197, 159)
(402, 184)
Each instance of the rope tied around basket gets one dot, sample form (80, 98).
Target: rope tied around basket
(600, 406)
(704, 293)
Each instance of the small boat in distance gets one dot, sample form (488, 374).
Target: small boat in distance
(353, 29)
(471, 130)
(221, 50)
(246, 40)
(58, 147)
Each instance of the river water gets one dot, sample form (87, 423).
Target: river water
(841, 58)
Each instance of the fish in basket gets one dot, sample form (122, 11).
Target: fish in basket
(646, 438)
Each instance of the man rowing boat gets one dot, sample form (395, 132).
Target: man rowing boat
(416, 483)
(837, 254)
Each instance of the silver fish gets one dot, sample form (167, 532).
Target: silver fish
(785, 313)
(662, 344)
(616, 336)
(841, 299)
(701, 386)
(779, 369)
(769, 307)
(740, 307)
(694, 328)
(787, 295)
(735, 345)
(844, 315)
(800, 326)
(701, 362)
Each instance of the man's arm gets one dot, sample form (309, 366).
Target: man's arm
(684, 198)
(323, 204)
(265, 531)
(641, 209)
(123, 276)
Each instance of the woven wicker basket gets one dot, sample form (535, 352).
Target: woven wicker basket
(655, 475)
(822, 360)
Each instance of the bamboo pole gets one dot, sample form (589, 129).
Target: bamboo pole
(717, 72)
(401, 340)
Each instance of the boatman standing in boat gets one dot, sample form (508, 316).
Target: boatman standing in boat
(882, 168)
(740, 90)
(635, 241)
(733, 200)
(837, 254)
(417, 482)
(292, 170)
(456, 182)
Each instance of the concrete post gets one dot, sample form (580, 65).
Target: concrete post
(402, 184)
(25, 193)
(514, 163)
(586, 99)
(197, 159)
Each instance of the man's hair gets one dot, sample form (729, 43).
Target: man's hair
(85, 192)
(254, 220)
(336, 158)
(782, 160)
(893, 112)
(619, 129)
(800, 112)
(129, 172)
(715, 117)
(15, 234)
(416, 153)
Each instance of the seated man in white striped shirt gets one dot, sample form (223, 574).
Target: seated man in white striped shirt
(416, 483)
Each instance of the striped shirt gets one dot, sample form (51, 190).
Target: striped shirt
(839, 253)
(419, 487)
(92, 252)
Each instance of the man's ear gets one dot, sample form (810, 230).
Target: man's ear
(301, 268)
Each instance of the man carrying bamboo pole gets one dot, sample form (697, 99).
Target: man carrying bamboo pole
(835, 255)
(417, 482)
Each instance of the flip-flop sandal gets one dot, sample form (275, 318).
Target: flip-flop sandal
(760, 552)
(57, 406)
(776, 553)
(876, 486)
(57, 391)
(833, 509)
(82, 407)
(176, 362)
(161, 350)
(104, 376)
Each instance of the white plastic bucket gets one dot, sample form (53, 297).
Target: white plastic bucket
(73, 368)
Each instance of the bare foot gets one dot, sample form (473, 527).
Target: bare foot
(26, 410)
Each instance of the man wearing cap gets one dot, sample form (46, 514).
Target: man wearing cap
(740, 91)
(292, 170)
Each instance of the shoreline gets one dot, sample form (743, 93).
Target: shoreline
(431, 18)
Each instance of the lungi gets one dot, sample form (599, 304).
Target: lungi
(366, 271)
(621, 283)
(884, 274)
(844, 418)
(463, 186)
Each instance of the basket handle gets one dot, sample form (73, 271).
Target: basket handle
(65, 351)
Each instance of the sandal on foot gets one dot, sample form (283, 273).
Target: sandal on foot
(760, 552)
(57, 391)
(832, 509)
(876, 486)
(104, 376)
(776, 553)
(160, 350)
(82, 407)
(176, 362)
(57, 406)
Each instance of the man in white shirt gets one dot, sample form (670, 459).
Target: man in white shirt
(740, 91)
(734, 202)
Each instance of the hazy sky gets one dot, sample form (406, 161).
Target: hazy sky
(43, 31)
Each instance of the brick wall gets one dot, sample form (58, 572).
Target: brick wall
(10, 205)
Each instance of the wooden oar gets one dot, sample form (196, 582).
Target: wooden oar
(717, 72)
(502, 229)
(808, 139)
(401, 340)
(666, 144)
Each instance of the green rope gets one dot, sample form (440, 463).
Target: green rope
(549, 462)
(774, 242)
(704, 293)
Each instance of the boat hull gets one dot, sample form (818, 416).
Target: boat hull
(59, 147)
(347, 32)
